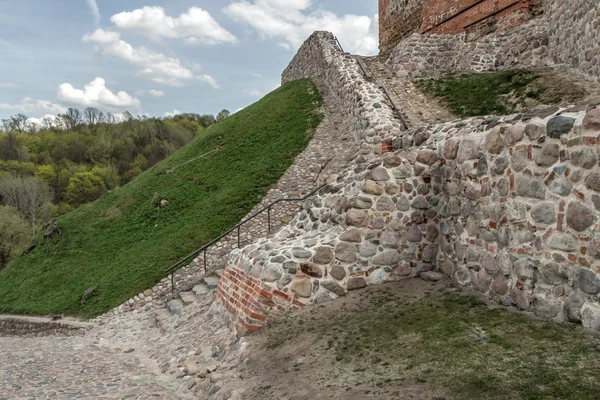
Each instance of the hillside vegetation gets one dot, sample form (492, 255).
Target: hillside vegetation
(501, 93)
(123, 241)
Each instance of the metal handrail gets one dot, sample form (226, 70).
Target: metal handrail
(394, 108)
(238, 227)
(339, 44)
(363, 71)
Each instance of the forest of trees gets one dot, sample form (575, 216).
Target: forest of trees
(47, 170)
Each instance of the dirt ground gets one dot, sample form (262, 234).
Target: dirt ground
(417, 339)
(306, 366)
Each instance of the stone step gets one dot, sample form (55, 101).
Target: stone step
(200, 290)
(211, 281)
(175, 306)
(187, 298)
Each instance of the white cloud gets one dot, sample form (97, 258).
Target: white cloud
(156, 93)
(208, 79)
(256, 75)
(95, 11)
(172, 114)
(32, 107)
(252, 92)
(95, 94)
(290, 22)
(196, 26)
(156, 67)
(8, 85)
(47, 120)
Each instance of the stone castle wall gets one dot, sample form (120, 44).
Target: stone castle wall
(457, 16)
(505, 205)
(338, 74)
(525, 46)
(398, 19)
(565, 34)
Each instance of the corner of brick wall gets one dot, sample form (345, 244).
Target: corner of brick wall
(251, 302)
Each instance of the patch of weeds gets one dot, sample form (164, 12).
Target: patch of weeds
(496, 93)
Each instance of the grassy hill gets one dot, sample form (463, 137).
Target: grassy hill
(122, 242)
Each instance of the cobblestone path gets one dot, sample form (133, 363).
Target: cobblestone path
(74, 368)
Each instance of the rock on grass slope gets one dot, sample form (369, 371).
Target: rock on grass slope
(123, 242)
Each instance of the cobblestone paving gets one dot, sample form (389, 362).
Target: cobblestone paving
(74, 368)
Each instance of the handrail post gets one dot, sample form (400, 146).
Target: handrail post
(205, 269)
(239, 227)
(269, 219)
(172, 283)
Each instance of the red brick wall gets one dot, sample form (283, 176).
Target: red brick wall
(456, 16)
(397, 19)
(400, 18)
(251, 302)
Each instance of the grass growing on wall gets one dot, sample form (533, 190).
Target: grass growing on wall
(497, 93)
(123, 242)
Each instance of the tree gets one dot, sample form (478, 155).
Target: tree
(93, 117)
(18, 122)
(224, 114)
(72, 119)
(84, 187)
(14, 234)
(29, 196)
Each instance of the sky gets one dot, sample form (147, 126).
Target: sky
(161, 58)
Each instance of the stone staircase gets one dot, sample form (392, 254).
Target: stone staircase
(416, 108)
(203, 289)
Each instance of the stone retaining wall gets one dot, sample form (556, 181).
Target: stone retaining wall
(506, 205)
(525, 46)
(38, 327)
(566, 34)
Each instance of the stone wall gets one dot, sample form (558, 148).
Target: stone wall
(525, 46)
(338, 74)
(565, 34)
(574, 28)
(397, 20)
(39, 327)
(506, 205)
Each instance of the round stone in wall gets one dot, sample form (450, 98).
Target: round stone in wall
(544, 212)
(302, 287)
(589, 281)
(592, 181)
(559, 126)
(323, 255)
(494, 143)
(548, 156)
(345, 252)
(338, 272)
(356, 283)
(592, 120)
(584, 157)
(579, 216)
(426, 156)
(379, 174)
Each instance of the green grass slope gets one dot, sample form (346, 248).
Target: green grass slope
(122, 242)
